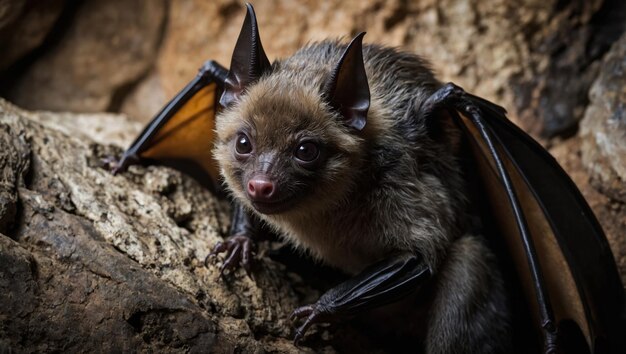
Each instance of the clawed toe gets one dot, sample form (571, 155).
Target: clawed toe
(239, 251)
(313, 315)
(301, 312)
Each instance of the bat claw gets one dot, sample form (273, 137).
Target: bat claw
(111, 164)
(239, 251)
(116, 165)
(297, 338)
(301, 331)
(301, 312)
(313, 313)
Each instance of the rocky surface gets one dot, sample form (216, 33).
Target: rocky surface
(603, 130)
(603, 148)
(86, 256)
(106, 46)
(534, 57)
(611, 213)
(24, 25)
(537, 58)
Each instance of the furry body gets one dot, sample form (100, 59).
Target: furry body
(391, 188)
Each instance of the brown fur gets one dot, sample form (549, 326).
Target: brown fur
(389, 188)
(417, 213)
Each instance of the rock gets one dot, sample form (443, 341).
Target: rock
(563, 45)
(107, 46)
(145, 100)
(9, 12)
(603, 130)
(522, 55)
(603, 148)
(107, 128)
(88, 256)
(537, 59)
(23, 26)
(14, 166)
(52, 306)
(610, 213)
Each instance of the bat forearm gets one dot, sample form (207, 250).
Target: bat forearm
(380, 284)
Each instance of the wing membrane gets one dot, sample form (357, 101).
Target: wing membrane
(565, 264)
(181, 135)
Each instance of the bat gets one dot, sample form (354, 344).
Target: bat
(357, 155)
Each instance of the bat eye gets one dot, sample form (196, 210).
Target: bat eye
(243, 145)
(307, 152)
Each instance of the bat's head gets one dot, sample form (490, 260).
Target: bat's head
(288, 141)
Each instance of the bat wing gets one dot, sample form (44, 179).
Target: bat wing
(559, 251)
(181, 135)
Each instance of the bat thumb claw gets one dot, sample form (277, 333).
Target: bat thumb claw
(297, 339)
(111, 164)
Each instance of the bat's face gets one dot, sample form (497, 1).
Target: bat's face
(282, 150)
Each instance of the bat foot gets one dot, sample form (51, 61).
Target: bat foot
(239, 251)
(311, 314)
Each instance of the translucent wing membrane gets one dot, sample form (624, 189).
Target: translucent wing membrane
(559, 250)
(182, 134)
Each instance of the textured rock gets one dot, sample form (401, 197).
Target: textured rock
(563, 42)
(603, 131)
(10, 11)
(145, 100)
(603, 148)
(534, 57)
(610, 213)
(13, 167)
(89, 256)
(23, 26)
(537, 58)
(107, 46)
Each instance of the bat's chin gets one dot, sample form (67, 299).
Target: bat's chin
(271, 207)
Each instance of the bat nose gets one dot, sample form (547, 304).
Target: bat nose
(260, 188)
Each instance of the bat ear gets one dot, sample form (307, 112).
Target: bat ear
(347, 90)
(249, 61)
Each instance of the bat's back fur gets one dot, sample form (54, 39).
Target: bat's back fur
(392, 188)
